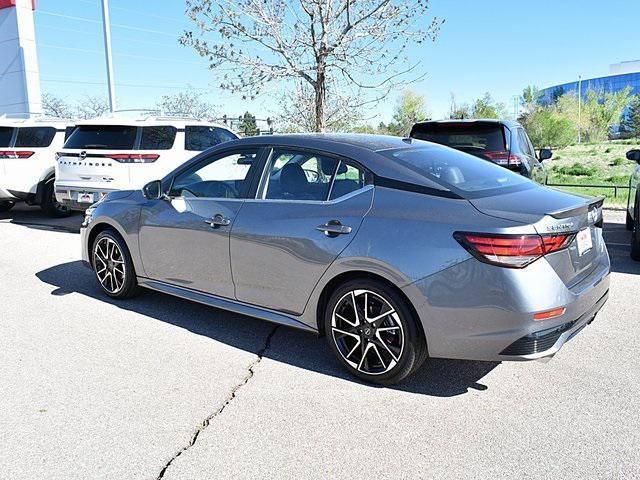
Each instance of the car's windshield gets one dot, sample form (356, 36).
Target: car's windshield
(463, 174)
(6, 133)
(99, 137)
(463, 136)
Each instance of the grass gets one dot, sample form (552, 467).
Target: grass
(597, 164)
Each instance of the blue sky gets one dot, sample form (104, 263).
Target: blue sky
(496, 46)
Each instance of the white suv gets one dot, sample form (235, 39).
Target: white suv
(118, 153)
(27, 162)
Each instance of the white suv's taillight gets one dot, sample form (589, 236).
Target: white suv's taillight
(15, 154)
(513, 251)
(133, 157)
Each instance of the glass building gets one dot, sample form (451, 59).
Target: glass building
(625, 74)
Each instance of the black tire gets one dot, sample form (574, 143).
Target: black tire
(50, 205)
(405, 350)
(126, 285)
(635, 237)
(629, 222)
(6, 206)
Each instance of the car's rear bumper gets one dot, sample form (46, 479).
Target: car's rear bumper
(475, 311)
(69, 196)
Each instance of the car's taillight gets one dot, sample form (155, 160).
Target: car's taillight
(514, 251)
(13, 154)
(504, 157)
(133, 157)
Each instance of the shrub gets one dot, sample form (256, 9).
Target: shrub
(577, 170)
(617, 161)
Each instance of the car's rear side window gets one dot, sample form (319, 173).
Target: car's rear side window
(158, 138)
(6, 134)
(459, 173)
(468, 137)
(35, 137)
(201, 137)
(101, 137)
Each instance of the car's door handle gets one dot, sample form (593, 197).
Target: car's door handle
(333, 228)
(218, 221)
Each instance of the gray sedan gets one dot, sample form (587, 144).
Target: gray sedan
(396, 250)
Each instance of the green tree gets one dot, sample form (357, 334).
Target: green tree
(410, 108)
(547, 127)
(631, 123)
(487, 107)
(248, 126)
(603, 111)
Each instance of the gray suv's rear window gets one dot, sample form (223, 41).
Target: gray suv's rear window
(6, 133)
(35, 137)
(459, 173)
(468, 137)
(158, 138)
(200, 137)
(101, 137)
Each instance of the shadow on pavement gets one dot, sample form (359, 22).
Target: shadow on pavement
(34, 217)
(618, 239)
(441, 378)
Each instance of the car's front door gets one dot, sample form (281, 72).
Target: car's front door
(537, 172)
(184, 239)
(308, 208)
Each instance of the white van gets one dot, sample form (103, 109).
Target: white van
(27, 161)
(119, 153)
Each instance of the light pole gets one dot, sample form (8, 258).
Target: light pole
(579, 108)
(107, 52)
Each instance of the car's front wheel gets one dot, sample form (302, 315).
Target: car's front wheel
(373, 332)
(50, 204)
(113, 266)
(6, 206)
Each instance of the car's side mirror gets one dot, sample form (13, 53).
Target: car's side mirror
(634, 155)
(153, 190)
(545, 154)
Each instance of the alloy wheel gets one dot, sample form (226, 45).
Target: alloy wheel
(367, 332)
(109, 265)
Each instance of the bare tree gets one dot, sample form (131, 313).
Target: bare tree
(356, 44)
(342, 112)
(92, 107)
(189, 102)
(56, 106)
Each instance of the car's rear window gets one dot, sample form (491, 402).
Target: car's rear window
(101, 137)
(158, 138)
(200, 137)
(468, 137)
(459, 173)
(35, 137)
(6, 133)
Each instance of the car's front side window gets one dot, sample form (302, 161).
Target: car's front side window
(220, 176)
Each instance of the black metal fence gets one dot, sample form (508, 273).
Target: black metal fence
(575, 185)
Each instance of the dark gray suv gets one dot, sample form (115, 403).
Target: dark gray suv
(503, 142)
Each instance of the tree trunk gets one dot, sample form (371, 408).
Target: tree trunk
(321, 96)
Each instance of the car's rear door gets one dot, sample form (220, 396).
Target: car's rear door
(306, 212)
(184, 240)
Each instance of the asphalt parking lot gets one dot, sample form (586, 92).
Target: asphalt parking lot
(157, 387)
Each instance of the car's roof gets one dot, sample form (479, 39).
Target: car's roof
(324, 140)
(365, 149)
(509, 123)
(151, 120)
(39, 121)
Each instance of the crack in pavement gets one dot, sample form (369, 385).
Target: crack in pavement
(205, 423)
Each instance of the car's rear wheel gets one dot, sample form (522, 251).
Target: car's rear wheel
(373, 332)
(6, 206)
(50, 204)
(113, 266)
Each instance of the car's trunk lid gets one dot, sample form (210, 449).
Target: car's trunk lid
(552, 212)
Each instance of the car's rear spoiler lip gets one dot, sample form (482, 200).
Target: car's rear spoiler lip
(573, 212)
